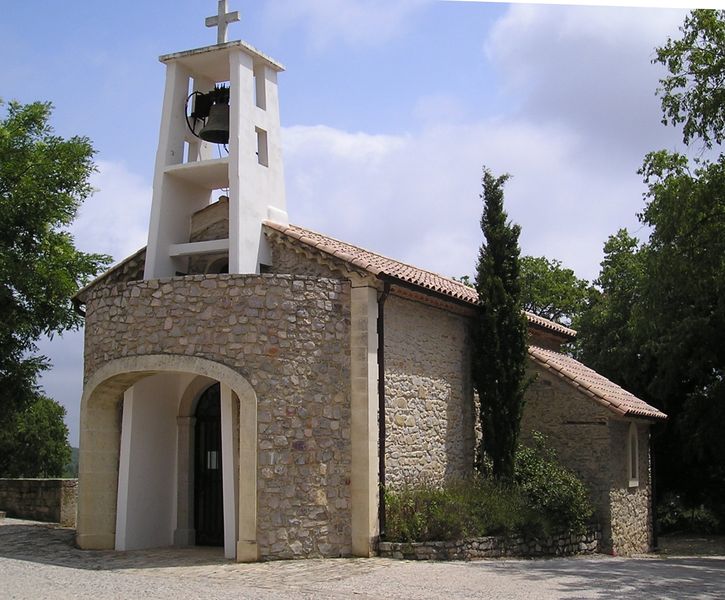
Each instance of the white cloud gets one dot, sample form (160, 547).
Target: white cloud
(588, 68)
(416, 198)
(585, 117)
(356, 22)
(115, 219)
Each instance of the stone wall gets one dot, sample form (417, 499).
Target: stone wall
(428, 394)
(130, 269)
(52, 500)
(289, 337)
(285, 260)
(494, 547)
(630, 505)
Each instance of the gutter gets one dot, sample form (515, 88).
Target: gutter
(381, 408)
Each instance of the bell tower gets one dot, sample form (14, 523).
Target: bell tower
(189, 168)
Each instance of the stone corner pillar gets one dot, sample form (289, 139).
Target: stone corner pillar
(364, 425)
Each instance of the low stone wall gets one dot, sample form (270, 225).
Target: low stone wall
(493, 547)
(52, 500)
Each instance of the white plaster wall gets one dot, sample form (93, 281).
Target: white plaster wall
(147, 493)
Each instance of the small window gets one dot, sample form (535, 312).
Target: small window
(633, 456)
(260, 87)
(262, 151)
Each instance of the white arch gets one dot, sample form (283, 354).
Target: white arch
(100, 438)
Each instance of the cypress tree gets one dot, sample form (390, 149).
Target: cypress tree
(499, 332)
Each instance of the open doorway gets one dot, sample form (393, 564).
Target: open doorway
(208, 494)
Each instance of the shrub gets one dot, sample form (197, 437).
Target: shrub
(469, 508)
(551, 488)
(544, 499)
(423, 513)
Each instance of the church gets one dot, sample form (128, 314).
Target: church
(252, 384)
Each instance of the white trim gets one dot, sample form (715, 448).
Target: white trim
(205, 247)
(228, 487)
(124, 468)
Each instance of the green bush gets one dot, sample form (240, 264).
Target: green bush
(471, 508)
(545, 498)
(551, 488)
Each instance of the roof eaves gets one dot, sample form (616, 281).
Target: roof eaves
(404, 273)
(592, 392)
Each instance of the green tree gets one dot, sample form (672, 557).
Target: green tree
(43, 181)
(684, 298)
(694, 91)
(656, 324)
(608, 339)
(552, 291)
(40, 441)
(683, 291)
(499, 333)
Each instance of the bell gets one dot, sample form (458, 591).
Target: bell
(216, 129)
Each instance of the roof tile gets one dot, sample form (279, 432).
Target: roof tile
(377, 265)
(601, 389)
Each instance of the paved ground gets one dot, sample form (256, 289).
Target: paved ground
(39, 561)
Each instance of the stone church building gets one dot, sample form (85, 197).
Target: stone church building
(250, 383)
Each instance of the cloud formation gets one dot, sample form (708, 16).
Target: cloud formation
(115, 219)
(354, 22)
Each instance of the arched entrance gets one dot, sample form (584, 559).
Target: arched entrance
(123, 392)
(208, 493)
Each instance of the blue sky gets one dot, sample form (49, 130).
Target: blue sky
(389, 110)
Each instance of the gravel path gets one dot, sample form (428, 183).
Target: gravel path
(39, 561)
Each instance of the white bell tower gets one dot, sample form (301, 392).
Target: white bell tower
(187, 171)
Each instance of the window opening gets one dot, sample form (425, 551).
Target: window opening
(633, 456)
(262, 150)
(260, 89)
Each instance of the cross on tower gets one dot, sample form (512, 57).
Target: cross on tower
(221, 20)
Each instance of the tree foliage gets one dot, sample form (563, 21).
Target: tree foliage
(499, 333)
(39, 444)
(552, 291)
(684, 295)
(694, 91)
(655, 324)
(608, 339)
(43, 181)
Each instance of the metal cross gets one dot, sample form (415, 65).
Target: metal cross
(221, 20)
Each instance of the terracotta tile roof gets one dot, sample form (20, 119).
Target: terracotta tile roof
(381, 266)
(598, 387)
